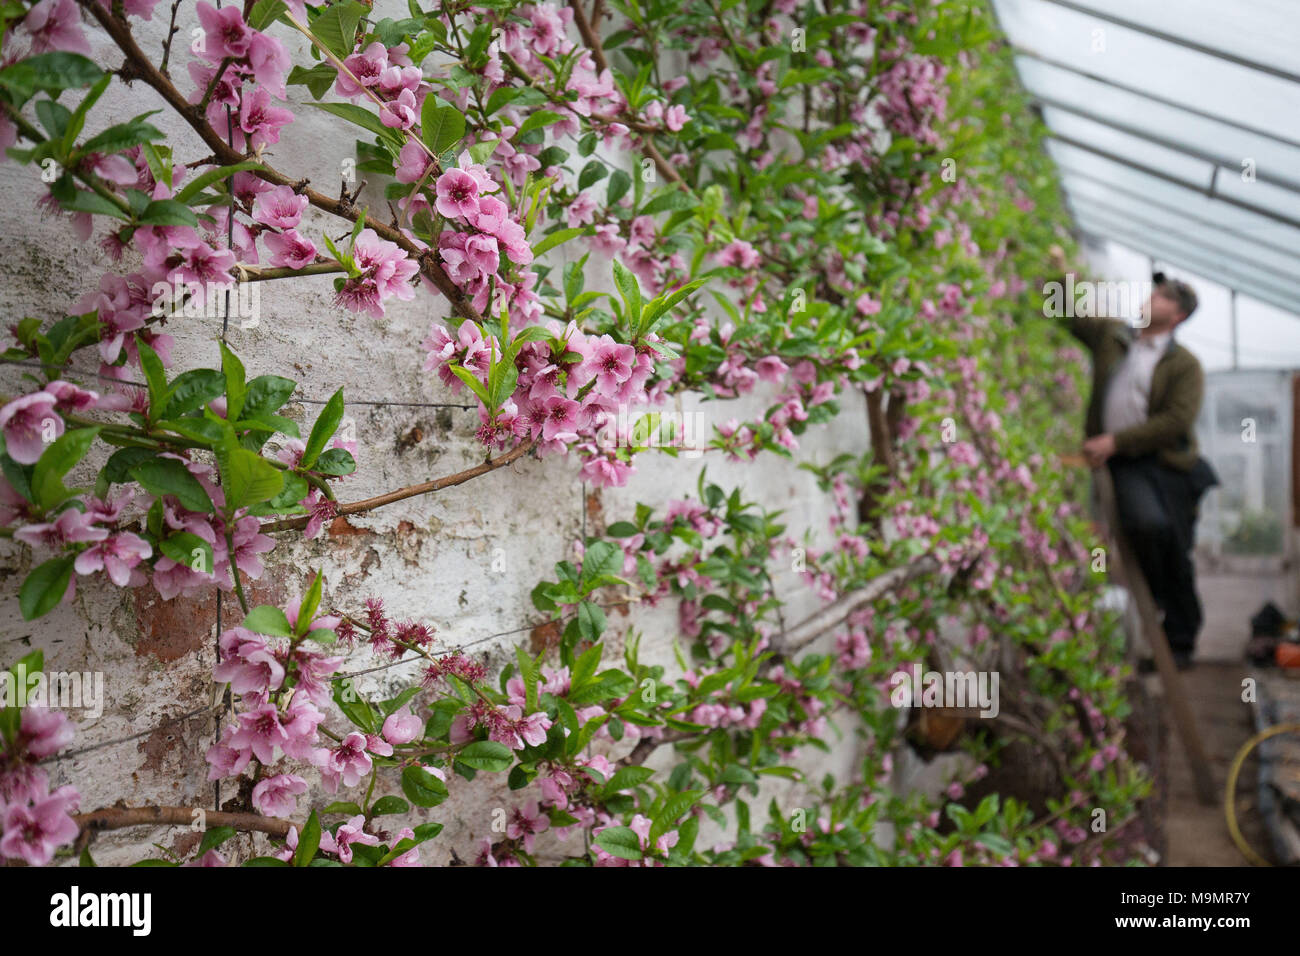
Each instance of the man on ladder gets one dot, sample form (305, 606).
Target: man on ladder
(1146, 395)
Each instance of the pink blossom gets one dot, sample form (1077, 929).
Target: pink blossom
(45, 731)
(70, 527)
(27, 422)
(247, 664)
(290, 250)
(259, 118)
(402, 728)
(457, 194)
(348, 762)
(32, 832)
(117, 555)
(526, 822)
(399, 113)
(352, 832)
(259, 731)
(581, 211)
(56, 25)
(224, 32)
(367, 67)
(276, 796)
(279, 208)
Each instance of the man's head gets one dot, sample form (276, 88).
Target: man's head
(1172, 301)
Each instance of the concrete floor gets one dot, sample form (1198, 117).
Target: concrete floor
(1195, 834)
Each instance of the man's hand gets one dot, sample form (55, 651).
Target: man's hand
(1098, 448)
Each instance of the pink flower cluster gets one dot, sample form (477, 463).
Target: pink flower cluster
(274, 723)
(34, 821)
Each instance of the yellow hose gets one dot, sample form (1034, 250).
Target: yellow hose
(1230, 796)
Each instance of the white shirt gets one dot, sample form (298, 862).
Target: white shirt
(1129, 394)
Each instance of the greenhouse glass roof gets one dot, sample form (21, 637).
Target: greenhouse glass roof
(1175, 125)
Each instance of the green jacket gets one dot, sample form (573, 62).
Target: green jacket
(1177, 388)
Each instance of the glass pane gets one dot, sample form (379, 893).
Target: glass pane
(1266, 31)
(1228, 144)
(1072, 159)
(1133, 148)
(1267, 195)
(1085, 194)
(1169, 71)
(1244, 431)
(1234, 274)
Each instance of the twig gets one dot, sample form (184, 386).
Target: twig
(116, 818)
(369, 504)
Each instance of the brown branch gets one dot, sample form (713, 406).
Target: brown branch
(437, 484)
(836, 613)
(589, 36)
(140, 67)
(115, 818)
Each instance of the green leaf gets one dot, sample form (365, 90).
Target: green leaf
(205, 179)
(180, 547)
(486, 755)
(628, 777)
(619, 183)
(470, 379)
(266, 395)
(308, 606)
(168, 212)
(591, 621)
(159, 160)
(192, 390)
(345, 807)
(630, 290)
(554, 239)
(422, 788)
(335, 461)
(123, 136)
(167, 476)
(268, 619)
(155, 378)
(336, 27)
(537, 120)
(621, 842)
(321, 432)
(675, 806)
(44, 588)
(677, 199)
(318, 79)
(441, 126)
(359, 115)
(528, 673)
(266, 12)
(354, 707)
(308, 841)
(77, 122)
(56, 461)
(248, 478)
(391, 804)
(118, 467)
(51, 72)
(54, 116)
(235, 387)
(85, 201)
(214, 837)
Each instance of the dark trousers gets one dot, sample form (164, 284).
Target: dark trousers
(1157, 511)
